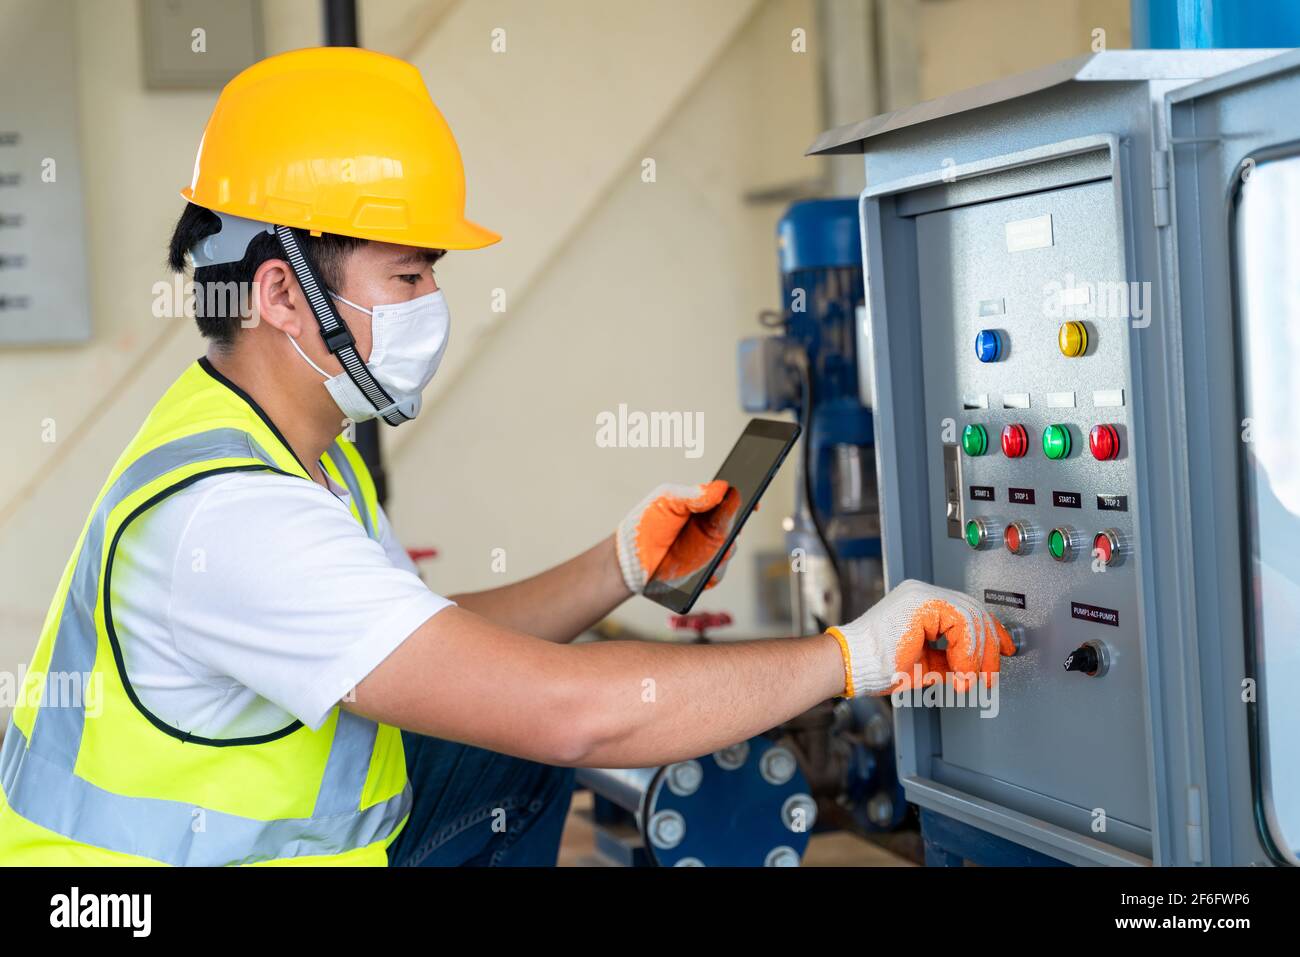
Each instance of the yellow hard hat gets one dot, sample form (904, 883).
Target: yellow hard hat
(336, 140)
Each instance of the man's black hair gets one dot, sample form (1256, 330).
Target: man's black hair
(218, 288)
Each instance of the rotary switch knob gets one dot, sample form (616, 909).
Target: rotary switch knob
(1090, 658)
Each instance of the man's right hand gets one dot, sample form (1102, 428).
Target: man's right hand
(889, 647)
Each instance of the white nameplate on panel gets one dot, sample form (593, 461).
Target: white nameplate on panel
(1076, 295)
(1108, 398)
(975, 401)
(1015, 400)
(1033, 233)
(1060, 400)
(992, 307)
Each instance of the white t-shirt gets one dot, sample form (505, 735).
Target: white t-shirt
(250, 599)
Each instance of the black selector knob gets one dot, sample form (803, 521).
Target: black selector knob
(1083, 658)
(1089, 658)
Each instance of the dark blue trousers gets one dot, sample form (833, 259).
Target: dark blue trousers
(479, 808)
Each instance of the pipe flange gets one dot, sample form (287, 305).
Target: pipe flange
(799, 813)
(781, 856)
(778, 766)
(732, 758)
(684, 777)
(667, 829)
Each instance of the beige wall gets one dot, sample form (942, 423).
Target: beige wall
(618, 291)
(968, 42)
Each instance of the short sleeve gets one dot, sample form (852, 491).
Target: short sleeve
(397, 554)
(291, 598)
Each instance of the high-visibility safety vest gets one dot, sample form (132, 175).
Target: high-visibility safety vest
(96, 778)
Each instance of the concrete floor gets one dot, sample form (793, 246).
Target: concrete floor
(834, 849)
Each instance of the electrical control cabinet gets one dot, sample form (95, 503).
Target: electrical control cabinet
(1025, 522)
(1067, 350)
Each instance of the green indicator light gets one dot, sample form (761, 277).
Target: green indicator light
(973, 534)
(1056, 543)
(974, 440)
(1056, 442)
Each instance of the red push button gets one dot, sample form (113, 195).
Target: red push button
(1103, 441)
(1108, 547)
(1018, 538)
(1015, 441)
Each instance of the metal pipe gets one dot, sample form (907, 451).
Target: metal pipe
(340, 23)
(1215, 24)
(626, 787)
(341, 29)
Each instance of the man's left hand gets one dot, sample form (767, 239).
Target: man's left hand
(649, 536)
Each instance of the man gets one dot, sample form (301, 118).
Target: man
(253, 632)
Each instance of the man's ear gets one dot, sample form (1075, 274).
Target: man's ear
(279, 298)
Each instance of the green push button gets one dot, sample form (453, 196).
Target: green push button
(1056, 442)
(975, 440)
(1056, 544)
(974, 534)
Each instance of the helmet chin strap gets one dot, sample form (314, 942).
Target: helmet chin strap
(338, 338)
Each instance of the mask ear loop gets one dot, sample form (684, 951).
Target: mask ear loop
(337, 336)
(368, 312)
(294, 342)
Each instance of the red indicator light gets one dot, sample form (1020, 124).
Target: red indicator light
(1015, 441)
(1103, 441)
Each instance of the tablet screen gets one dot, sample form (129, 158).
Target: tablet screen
(705, 538)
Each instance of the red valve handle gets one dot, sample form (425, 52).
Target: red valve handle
(699, 621)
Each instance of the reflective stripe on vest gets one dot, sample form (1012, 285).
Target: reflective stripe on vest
(339, 459)
(57, 732)
(38, 771)
(150, 827)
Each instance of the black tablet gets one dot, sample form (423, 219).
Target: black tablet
(748, 469)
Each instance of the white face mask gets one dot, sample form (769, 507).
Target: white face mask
(406, 346)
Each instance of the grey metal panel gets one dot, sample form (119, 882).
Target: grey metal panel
(1101, 835)
(1276, 64)
(890, 252)
(1113, 66)
(1077, 739)
(178, 57)
(1033, 832)
(893, 339)
(43, 279)
(1216, 127)
(1092, 163)
(1046, 118)
(1184, 512)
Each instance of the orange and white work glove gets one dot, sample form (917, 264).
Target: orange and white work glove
(889, 647)
(648, 536)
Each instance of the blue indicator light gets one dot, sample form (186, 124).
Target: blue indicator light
(988, 345)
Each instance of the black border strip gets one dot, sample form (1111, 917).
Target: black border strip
(206, 365)
(157, 722)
